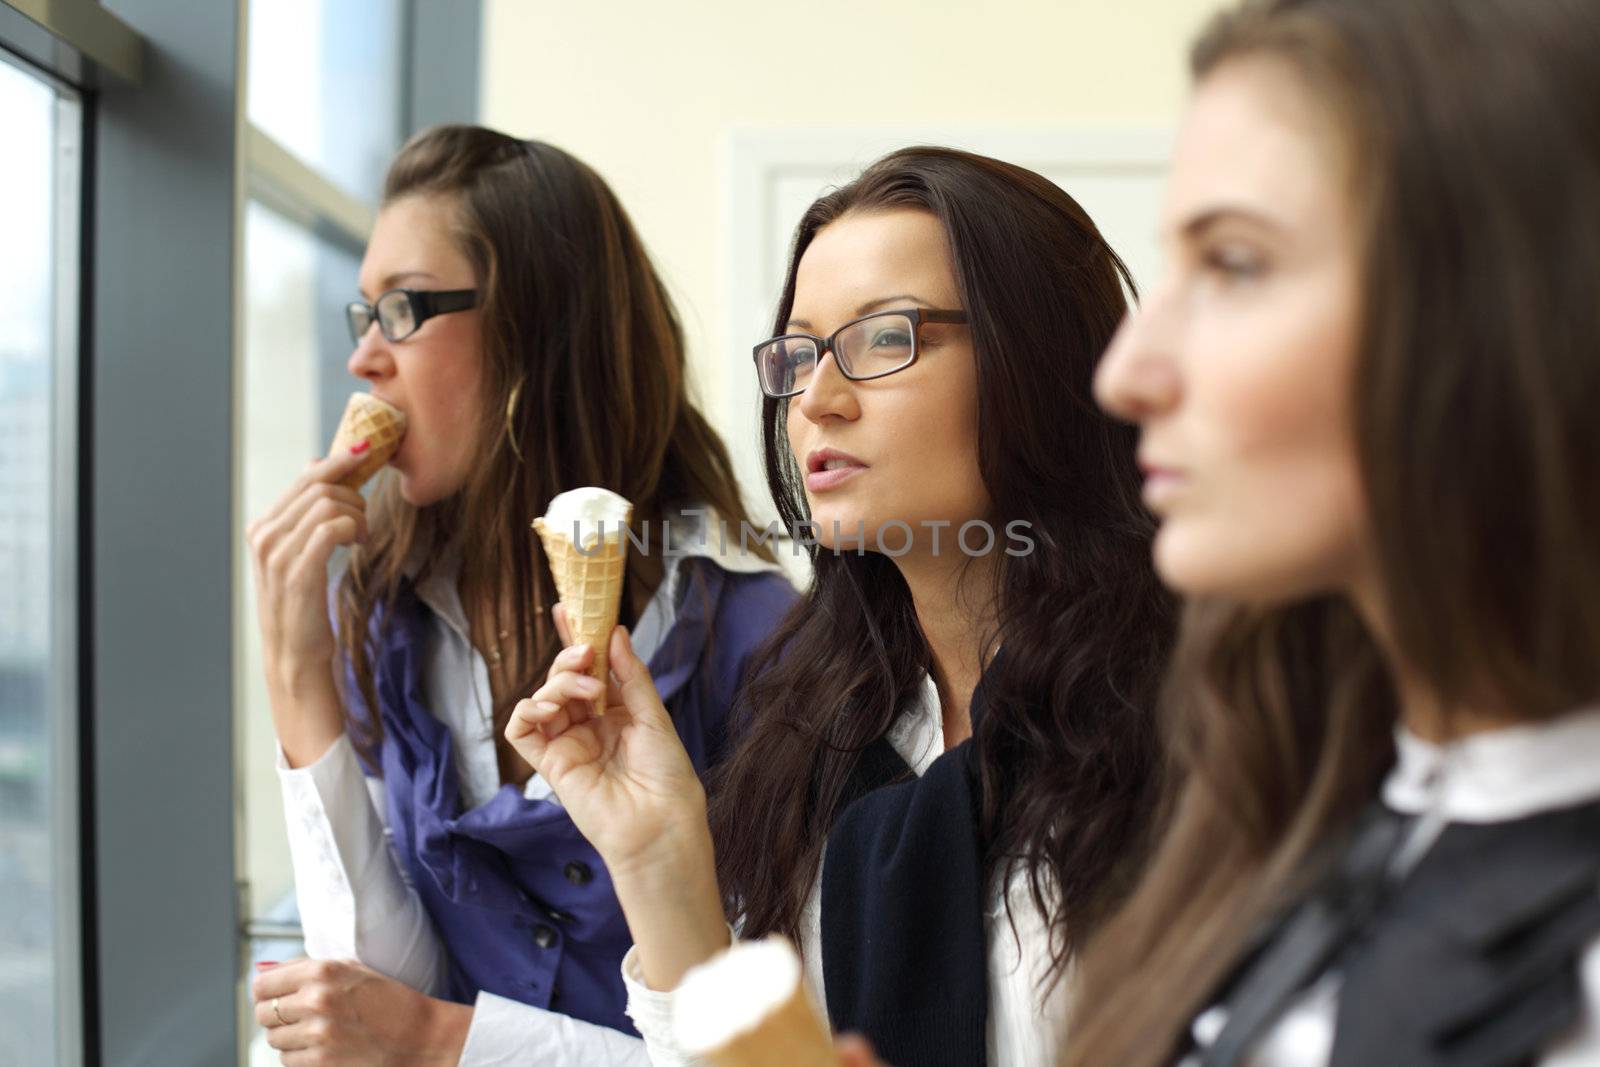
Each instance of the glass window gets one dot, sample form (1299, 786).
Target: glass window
(38, 820)
(324, 82)
(295, 386)
(294, 389)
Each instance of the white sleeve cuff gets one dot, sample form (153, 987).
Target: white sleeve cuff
(650, 1009)
(651, 1012)
(508, 1033)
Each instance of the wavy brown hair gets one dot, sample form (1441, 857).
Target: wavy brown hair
(1469, 135)
(1067, 752)
(584, 384)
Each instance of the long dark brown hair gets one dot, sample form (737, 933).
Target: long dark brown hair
(1470, 138)
(1067, 752)
(584, 384)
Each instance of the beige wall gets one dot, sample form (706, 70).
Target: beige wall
(649, 94)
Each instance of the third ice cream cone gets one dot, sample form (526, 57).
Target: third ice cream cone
(748, 1007)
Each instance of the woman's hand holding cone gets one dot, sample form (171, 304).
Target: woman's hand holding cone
(290, 546)
(631, 789)
(622, 775)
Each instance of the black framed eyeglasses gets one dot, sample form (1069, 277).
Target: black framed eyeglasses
(399, 313)
(865, 348)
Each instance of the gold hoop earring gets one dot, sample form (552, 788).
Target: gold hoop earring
(511, 412)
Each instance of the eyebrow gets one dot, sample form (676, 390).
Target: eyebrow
(1198, 224)
(393, 280)
(870, 305)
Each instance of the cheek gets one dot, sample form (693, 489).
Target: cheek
(444, 390)
(930, 430)
(1276, 509)
(796, 427)
(1271, 535)
(448, 407)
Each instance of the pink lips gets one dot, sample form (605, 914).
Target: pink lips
(1159, 483)
(819, 479)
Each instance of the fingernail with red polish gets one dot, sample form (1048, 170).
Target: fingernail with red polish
(262, 965)
(360, 447)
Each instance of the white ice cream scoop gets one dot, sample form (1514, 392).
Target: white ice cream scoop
(588, 514)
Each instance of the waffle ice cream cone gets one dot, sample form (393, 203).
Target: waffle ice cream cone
(366, 418)
(748, 1007)
(588, 570)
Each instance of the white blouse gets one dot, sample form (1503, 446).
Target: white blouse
(354, 896)
(1024, 1028)
(1490, 777)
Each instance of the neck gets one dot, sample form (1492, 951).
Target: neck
(954, 600)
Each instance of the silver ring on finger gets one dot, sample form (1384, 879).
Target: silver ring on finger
(281, 1020)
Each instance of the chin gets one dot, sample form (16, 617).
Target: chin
(848, 522)
(424, 488)
(414, 491)
(409, 496)
(1197, 566)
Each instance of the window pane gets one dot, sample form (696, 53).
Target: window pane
(36, 712)
(295, 386)
(325, 83)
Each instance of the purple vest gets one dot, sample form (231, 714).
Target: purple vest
(522, 902)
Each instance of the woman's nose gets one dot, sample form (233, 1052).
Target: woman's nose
(371, 359)
(1137, 377)
(828, 393)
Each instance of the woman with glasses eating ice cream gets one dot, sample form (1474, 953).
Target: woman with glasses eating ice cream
(453, 911)
(945, 766)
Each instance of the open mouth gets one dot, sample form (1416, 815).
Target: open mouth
(827, 468)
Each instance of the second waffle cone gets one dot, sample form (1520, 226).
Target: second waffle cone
(590, 587)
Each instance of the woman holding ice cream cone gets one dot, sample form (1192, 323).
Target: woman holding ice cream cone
(453, 911)
(948, 769)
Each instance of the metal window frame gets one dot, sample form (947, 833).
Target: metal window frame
(158, 536)
(66, 586)
(84, 30)
(278, 178)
